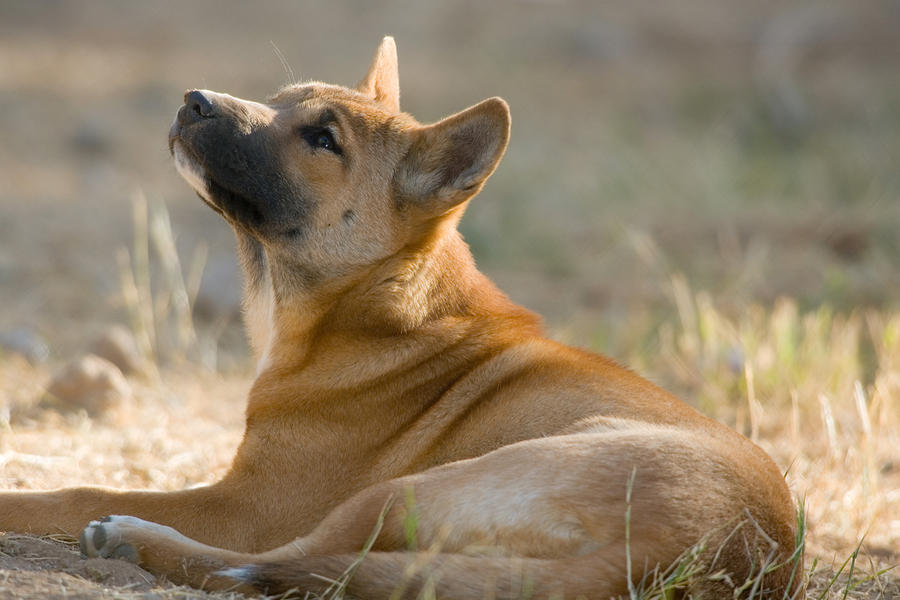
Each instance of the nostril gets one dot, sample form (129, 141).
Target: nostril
(200, 104)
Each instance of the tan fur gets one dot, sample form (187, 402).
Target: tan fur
(396, 382)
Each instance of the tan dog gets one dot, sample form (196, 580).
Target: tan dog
(401, 396)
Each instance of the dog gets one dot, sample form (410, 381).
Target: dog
(410, 429)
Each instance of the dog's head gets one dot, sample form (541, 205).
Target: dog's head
(333, 177)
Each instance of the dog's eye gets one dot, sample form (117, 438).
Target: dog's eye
(318, 137)
(324, 141)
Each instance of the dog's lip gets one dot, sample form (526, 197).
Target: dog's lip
(174, 137)
(213, 185)
(210, 197)
(184, 153)
(177, 134)
(176, 140)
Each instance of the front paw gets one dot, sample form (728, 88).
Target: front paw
(105, 539)
(159, 549)
(120, 536)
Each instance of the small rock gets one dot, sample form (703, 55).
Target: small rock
(26, 342)
(118, 346)
(90, 383)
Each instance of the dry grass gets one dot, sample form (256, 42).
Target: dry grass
(818, 390)
(172, 433)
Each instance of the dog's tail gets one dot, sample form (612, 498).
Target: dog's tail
(405, 575)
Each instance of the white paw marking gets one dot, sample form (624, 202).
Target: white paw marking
(246, 574)
(125, 521)
(111, 537)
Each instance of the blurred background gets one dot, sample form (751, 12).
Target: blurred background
(749, 149)
(707, 190)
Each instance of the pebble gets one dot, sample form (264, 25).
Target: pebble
(90, 383)
(117, 345)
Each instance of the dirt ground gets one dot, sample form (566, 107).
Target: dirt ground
(171, 432)
(748, 147)
(43, 568)
(40, 568)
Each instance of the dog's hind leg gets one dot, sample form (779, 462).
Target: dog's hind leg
(164, 551)
(560, 516)
(372, 575)
(499, 500)
(404, 575)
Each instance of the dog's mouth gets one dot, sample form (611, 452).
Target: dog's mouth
(192, 171)
(232, 205)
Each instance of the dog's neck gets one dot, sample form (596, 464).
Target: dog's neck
(432, 280)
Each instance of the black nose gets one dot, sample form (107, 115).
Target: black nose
(198, 105)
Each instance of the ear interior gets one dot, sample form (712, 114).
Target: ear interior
(382, 82)
(449, 161)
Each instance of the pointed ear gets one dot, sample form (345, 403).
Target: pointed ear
(449, 161)
(382, 82)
